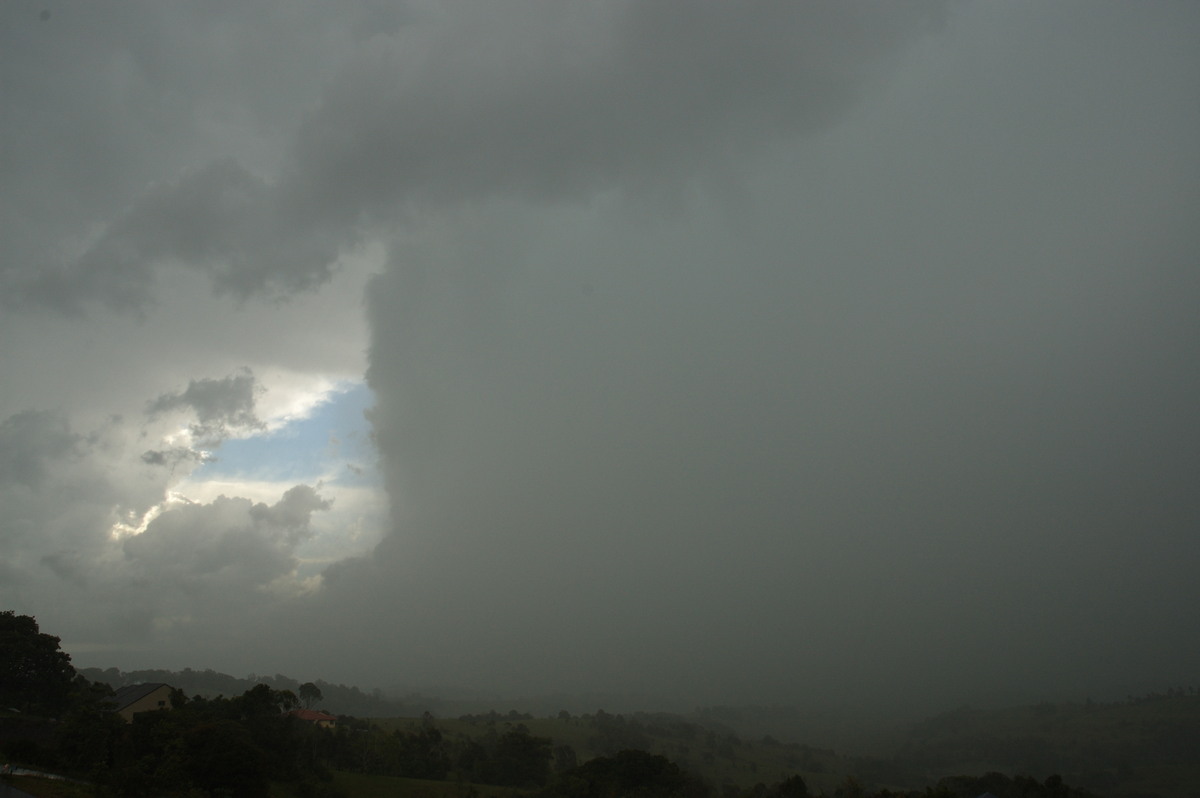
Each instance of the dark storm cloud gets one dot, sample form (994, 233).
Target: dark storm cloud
(135, 137)
(219, 220)
(67, 567)
(907, 414)
(627, 95)
(219, 405)
(732, 351)
(173, 456)
(29, 442)
(292, 512)
(550, 103)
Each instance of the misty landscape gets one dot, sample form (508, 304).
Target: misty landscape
(811, 386)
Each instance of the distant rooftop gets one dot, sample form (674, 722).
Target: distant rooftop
(130, 693)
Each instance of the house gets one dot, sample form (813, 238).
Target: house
(322, 719)
(134, 698)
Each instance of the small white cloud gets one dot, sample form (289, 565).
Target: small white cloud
(295, 396)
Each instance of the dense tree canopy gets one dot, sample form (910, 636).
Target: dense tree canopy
(310, 694)
(35, 674)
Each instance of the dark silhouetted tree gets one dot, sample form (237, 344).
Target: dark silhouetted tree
(35, 675)
(792, 787)
(310, 694)
(627, 774)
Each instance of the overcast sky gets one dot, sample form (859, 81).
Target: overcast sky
(714, 351)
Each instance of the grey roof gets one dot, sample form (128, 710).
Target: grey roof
(132, 692)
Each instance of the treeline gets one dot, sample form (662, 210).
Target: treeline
(1145, 746)
(1171, 692)
(242, 746)
(222, 746)
(252, 745)
(337, 698)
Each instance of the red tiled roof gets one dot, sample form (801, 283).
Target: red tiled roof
(312, 715)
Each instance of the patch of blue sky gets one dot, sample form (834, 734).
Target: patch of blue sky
(332, 443)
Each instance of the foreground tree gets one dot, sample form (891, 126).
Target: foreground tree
(35, 674)
(223, 758)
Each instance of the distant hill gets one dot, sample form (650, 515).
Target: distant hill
(699, 745)
(1139, 747)
(1143, 747)
(339, 699)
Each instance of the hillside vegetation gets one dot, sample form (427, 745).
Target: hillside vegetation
(257, 745)
(1142, 746)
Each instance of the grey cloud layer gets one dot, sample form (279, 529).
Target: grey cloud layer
(912, 389)
(220, 406)
(63, 493)
(229, 544)
(219, 220)
(626, 95)
(134, 135)
(193, 565)
(545, 103)
(740, 351)
(29, 441)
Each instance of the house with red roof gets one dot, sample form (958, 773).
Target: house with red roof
(322, 719)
